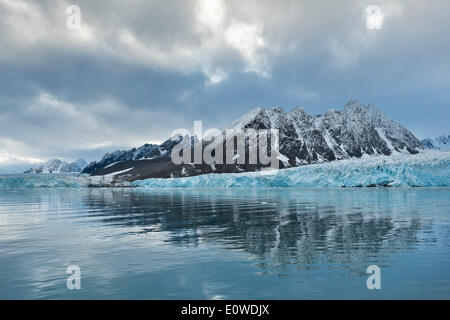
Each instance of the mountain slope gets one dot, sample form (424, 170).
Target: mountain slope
(352, 132)
(427, 169)
(355, 131)
(439, 143)
(58, 166)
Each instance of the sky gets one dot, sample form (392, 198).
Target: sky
(81, 78)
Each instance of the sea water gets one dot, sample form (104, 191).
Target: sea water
(266, 243)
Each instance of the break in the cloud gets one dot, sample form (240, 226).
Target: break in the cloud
(374, 17)
(135, 70)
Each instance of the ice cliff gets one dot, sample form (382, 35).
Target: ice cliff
(429, 169)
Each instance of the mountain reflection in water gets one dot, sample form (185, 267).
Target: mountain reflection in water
(222, 243)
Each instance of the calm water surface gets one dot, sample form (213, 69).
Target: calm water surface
(225, 244)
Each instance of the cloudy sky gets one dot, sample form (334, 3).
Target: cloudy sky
(135, 70)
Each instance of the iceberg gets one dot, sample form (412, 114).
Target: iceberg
(426, 169)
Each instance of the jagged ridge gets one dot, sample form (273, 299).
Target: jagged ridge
(58, 166)
(439, 143)
(353, 132)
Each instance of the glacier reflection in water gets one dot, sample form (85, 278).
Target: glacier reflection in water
(219, 243)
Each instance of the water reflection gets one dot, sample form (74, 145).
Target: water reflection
(240, 243)
(279, 228)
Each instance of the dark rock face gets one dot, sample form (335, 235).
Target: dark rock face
(144, 152)
(355, 131)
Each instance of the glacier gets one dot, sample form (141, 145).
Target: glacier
(426, 169)
(353, 132)
(58, 181)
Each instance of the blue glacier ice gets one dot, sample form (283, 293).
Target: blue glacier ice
(428, 169)
(56, 181)
(40, 180)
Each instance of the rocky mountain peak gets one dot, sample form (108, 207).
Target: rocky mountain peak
(438, 143)
(58, 166)
(356, 130)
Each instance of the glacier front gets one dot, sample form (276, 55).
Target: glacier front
(58, 181)
(427, 169)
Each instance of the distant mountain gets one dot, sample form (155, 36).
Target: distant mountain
(353, 132)
(439, 143)
(147, 151)
(58, 166)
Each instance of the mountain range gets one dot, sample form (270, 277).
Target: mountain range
(355, 131)
(58, 166)
(439, 143)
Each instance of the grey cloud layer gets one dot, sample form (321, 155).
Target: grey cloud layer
(139, 69)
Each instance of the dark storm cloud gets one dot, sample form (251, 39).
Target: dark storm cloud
(139, 69)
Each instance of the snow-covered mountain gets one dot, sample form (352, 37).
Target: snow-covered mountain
(355, 131)
(439, 143)
(147, 151)
(58, 166)
(426, 169)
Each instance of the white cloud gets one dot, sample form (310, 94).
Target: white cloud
(24, 20)
(218, 31)
(374, 17)
(147, 56)
(215, 77)
(26, 25)
(15, 155)
(210, 14)
(59, 126)
(249, 41)
(347, 49)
